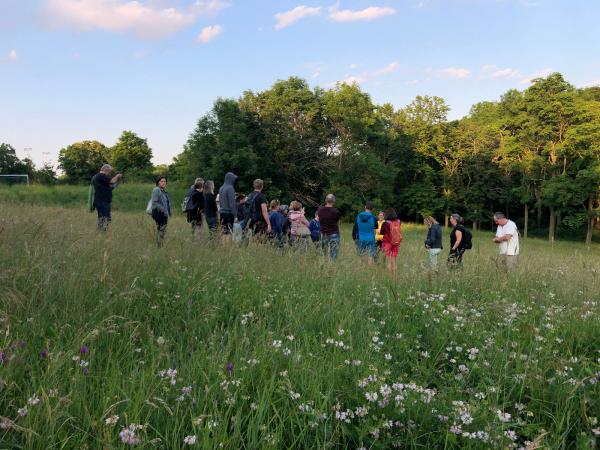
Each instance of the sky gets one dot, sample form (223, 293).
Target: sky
(73, 70)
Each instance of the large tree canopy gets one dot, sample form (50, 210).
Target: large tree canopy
(536, 149)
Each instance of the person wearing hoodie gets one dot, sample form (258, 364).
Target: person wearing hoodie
(366, 224)
(227, 204)
(299, 231)
(315, 229)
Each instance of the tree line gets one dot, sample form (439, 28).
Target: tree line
(533, 154)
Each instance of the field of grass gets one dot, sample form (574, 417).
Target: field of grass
(108, 341)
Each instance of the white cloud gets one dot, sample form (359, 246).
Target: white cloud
(539, 74)
(145, 19)
(12, 56)
(454, 72)
(490, 70)
(209, 33)
(368, 76)
(370, 13)
(285, 19)
(595, 83)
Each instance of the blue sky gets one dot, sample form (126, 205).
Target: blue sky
(87, 69)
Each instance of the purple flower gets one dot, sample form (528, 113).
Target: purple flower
(229, 368)
(84, 350)
(3, 357)
(85, 371)
(44, 353)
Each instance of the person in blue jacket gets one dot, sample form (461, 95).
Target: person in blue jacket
(366, 224)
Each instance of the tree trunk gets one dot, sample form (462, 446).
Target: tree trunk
(474, 226)
(552, 226)
(446, 219)
(539, 215)
(558, 219)
(526, 219)
(591, 220)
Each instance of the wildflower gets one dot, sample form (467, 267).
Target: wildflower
(128, 436)
(22, 412)
(503, 417)
(43, 353)
(229, 368)
(161, 340)
(371, 396)
(511, 435)
(5, 423)
(112, 420)
(277, 343)
(466, 418)
(186, 389)
(33, 400)
(341, 332)
(387, 356)
(84, 350)
(189, 440)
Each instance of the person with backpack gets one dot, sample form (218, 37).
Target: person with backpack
(392, 238)
(378, 235)
(460, 241)
(194, 205)
(227, 205)
(366, 224)
(161, 208)
(103, 185)
(211, 211)
(433, 243)
(239, 224)
(258, 214)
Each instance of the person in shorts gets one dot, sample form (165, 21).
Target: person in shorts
(507, 238)
(258, 211)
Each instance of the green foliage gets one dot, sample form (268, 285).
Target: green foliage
(82, 160)
(131, 155)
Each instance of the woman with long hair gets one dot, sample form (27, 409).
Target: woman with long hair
(161, 208)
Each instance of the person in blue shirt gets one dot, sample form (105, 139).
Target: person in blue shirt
(315, 229)
(366, 224)
(277, 220)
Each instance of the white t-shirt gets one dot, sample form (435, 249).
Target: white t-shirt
(510, 247)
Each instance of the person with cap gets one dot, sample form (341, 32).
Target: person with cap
(103, 186)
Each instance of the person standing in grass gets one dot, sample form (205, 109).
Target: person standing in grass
(257, 211)
(433, 243)
(103, 186)
(366, 224)
(378, 235)
(507, 238)
(161, 209)
(315, 229)
(227, 205)
(299, 231)
(211, 211)
(392, 238)
(276, 219)
(329, 219)
(239, 224)
(195, 205)
(457, 242)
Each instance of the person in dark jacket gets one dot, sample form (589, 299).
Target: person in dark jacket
(277, 220)
(457, 242)
(227, 205)
(161, 208)
(103, 186)
(366, 224)
(211, 212)
(433, 243)
(315, 229)
(196, 206)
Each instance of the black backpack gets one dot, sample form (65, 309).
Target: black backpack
(252, 212)
(188, 204)
(467, 239)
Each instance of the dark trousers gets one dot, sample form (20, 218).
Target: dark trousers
(161, 225)
(103, 209)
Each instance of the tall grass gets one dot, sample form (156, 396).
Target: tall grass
(283, 350)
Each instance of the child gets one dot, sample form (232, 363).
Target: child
(315, 229)
(378, 235)
(392, 237)
(276, 219)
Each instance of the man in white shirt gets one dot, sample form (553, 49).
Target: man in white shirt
(507, 238)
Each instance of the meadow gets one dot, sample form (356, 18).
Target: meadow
(107, 341)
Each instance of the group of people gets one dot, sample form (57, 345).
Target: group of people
(240, 216)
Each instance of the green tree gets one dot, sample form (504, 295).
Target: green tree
(132, 155)
(9, 161)
(82, 160)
